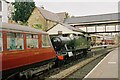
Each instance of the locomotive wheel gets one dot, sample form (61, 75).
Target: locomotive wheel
(85, 53)
(59, 63)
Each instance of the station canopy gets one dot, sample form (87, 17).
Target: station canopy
(65, 29)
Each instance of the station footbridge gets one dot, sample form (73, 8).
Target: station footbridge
(104, 23)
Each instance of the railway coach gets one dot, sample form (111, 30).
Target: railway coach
(24, 51)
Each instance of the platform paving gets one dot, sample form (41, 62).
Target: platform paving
(106, 68)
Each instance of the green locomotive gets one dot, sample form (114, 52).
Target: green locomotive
(68, 47)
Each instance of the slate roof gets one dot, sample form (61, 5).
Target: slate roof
(49, 15)
(62, 16)
(93, 18)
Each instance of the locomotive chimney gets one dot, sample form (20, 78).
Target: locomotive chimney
(59, 33)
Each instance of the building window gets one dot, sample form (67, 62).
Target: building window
(15, 41)
(1, 43)
(46, 41)
(32, 41)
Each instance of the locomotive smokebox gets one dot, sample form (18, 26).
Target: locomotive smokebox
(59, 42)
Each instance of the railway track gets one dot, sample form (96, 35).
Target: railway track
(68, 69)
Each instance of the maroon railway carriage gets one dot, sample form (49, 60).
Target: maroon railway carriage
(23, 48)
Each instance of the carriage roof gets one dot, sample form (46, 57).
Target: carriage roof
(20, 28)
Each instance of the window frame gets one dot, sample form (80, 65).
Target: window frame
(15, 36)
(50, 44)
(32, 39)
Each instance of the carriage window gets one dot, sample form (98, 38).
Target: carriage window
(32, 41)
(15, 41)
(46, 41)
(1, 43)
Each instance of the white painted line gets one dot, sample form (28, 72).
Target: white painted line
(111, 62)
(96, 66)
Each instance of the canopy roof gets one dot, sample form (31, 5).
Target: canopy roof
(65, 28)
(93, 18)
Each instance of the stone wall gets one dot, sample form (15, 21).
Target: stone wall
(37, 18)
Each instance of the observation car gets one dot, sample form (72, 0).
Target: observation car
(24, 51)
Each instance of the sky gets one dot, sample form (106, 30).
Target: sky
(80, 7)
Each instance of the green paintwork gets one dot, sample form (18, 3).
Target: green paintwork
(81, 42)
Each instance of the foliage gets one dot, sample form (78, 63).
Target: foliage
(23, 23)
(38, 26)
(22, 10)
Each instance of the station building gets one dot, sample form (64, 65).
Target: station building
(6, 9)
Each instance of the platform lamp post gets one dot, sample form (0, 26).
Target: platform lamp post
(103, 40)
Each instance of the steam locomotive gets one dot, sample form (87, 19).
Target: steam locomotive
(71, 47)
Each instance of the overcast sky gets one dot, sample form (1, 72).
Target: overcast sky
(80, 7)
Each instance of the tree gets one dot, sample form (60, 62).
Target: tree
(22, 10)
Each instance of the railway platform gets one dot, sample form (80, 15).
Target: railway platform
(106, 68)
